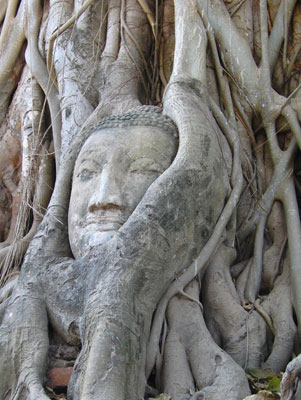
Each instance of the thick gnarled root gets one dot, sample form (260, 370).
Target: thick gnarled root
(23, 347)
(242, 334)
(28, 366)
(289, 384)
(279, 307)
(111, 363)
(191, 355)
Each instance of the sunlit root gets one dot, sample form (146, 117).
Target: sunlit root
(59, 31)
(150, 16)
(198, 267)
(290, 379)
(272, 257)
(278, 306)
(11, 42)
(111, 49)
(240, 332)
(167, 47)
(39, 71)
(191, 355)
(24, 347)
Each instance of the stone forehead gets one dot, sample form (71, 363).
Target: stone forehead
(140, 116)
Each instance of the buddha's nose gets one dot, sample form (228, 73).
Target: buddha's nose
(107, 194)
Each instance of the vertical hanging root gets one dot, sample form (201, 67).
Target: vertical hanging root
(59, 31)
(288, 197)
(39, 71)
(35, 171)
(278, 306)
(150, 16)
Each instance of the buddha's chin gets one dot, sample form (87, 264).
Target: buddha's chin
(98, 238)
(86, 240)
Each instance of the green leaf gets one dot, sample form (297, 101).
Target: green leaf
(274, 385)
(263, 373)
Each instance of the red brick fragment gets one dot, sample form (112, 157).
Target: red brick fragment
(59, 377)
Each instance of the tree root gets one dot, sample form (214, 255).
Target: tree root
(11, 255)
(241, 333)
(24, 346)
(278, 306)
(111, 49)
(198, 267)
(39, 71)
(291, 209)
(265, 316)
(150, 17)
(9, 164)
(58, 32)
(11, 42)
(7, 289)
(290, 379)
(191, 356)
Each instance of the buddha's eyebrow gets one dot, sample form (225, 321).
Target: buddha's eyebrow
(135, 152)
(88, 160)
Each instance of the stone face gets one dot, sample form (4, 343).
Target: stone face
(114, 169)
(59, 377)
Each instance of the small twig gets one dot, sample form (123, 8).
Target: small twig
(265, 316)
(291, 95)
(161, 67)
(250, 182)
(291, 116)
(281, 252)
(150, 17)
(187, 296)
(159, 359)
(247, 352)
(236, 7)
(297, 184)
(285, 39)
(244, 121)
(292, 62)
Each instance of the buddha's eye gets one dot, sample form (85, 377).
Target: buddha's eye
(85, 175)
(145, 166)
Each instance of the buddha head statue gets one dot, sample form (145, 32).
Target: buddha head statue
(116, 164)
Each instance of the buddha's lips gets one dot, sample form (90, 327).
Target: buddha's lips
(105, 222)
(105, 226)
